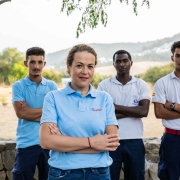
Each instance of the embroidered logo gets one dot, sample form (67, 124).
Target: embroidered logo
(135, 102)
(93, 109)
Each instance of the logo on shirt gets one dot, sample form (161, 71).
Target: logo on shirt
(135, 102)
(153, 94)
(93, 109)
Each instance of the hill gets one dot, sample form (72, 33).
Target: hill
(158, 50)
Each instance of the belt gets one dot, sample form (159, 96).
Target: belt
(172, 131)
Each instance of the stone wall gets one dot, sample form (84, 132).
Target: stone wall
(7, 154)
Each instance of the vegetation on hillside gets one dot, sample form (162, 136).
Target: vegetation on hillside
(155, 73)
(12, 69)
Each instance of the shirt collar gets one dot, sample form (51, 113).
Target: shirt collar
(29, 82)
(69, 90)
(114, 80)
(173, 75)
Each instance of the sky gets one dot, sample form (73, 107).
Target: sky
(28, 23)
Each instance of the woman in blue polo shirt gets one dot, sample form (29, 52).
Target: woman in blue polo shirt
(86, 122)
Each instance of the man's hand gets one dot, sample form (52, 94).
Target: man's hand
(167, 105)
(54, 129)
(23, 103)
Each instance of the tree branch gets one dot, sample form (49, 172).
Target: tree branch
(3, 1)
(94, 12)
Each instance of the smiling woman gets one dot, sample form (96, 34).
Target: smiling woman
(78, 123)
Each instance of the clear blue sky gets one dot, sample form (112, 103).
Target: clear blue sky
(27, 23)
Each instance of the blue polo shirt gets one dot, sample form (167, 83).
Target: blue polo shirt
(79, 116)
(27, 133)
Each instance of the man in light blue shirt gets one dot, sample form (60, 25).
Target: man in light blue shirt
(27, 97)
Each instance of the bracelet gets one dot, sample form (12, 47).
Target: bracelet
(89, 142)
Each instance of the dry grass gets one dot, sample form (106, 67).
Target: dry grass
(8, 119)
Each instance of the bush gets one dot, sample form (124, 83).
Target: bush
(52, 75)
(98, 78)
(155, 73)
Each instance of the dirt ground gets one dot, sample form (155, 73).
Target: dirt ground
(137, 68)
(8, 119)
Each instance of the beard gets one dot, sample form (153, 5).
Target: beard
(36, 75)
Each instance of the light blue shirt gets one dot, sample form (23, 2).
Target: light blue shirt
(27, 133)
(79, 116)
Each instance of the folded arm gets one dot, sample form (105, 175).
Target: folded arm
(162, 111)
(62, 143)
(24, 112)
(133, 111)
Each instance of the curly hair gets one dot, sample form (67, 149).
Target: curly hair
(122, 52)
(80, 48)
(174, 46)
(37, 51)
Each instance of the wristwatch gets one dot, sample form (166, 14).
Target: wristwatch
(172, 106)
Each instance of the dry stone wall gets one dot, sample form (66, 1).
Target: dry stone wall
(7, 155)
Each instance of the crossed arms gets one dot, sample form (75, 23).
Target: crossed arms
(51, 138)
(23, 111)
(162, 111)
(133, 111)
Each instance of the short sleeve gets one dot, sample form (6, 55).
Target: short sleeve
(17, 92)
(159, 94)
(54, 86)
(100, 87)
(110, 112)
(49, 112)
(144, 91)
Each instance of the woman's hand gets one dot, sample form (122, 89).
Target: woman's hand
(54, 129)
(105, 142)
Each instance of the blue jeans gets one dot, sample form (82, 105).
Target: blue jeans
(131, 152)
(26, 161)
(169, 153)
(79, 174)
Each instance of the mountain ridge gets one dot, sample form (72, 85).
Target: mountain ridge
(157, 50)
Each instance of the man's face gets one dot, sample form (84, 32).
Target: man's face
(122, 64)
(35, 64)
(176, 58)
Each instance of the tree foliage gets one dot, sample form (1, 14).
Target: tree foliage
(94, 11)
(155, 73)
(11, 56)
(98, 78)
(12, 67)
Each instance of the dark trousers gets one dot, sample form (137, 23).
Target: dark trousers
(26, 161)
(169, 153)
(131, 152)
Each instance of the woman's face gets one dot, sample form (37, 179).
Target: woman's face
(82, 70)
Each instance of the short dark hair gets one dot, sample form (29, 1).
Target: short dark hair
(122, 52)
(80, 48)
(37, 51)
(174, 46)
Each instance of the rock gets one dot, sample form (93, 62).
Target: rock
(2, 175)
(10, 145)
(36, 174)
(154, 158)
(153, 171)
(8, 159)
(2, 146)
(1, 163)
(153, 146)
(9, 175)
